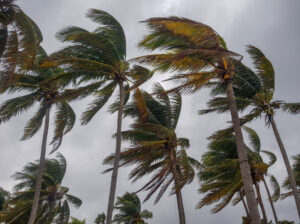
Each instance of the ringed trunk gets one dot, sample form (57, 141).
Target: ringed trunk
(287, 164)
(270, 200)
(114, 175)
(242, 155)
(261, 203)
(40, 173)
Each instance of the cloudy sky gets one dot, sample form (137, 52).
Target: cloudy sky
(271, 25)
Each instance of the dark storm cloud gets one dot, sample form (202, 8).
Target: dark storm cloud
(271, 25)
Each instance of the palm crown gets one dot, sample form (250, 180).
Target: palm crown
(130, 211)
(39, 88)
(19, 40)
(54, 200)
(155, 146)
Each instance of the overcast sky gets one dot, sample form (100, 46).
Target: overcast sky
(271, 25)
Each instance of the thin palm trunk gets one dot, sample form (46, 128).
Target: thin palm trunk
(114, 175)
(244, 203)
(242, 155)
(270, 199)
(177, 189)
(287, 164)
(40, 173)
(261, 203)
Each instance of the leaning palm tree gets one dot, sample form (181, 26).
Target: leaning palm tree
(54, 200)
(200, 54)
(130, 211)
(100, 57)
(257, 93)
(100, 218)
(19, 39)
(155, 148)
(37, 87)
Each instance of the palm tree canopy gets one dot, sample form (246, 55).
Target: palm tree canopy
(189, 47)
(153, 139)
(38, 87)
(252, 89)
(98, 57)
(4, 197)
(19, 39)
(220, 175)
(54, 200)
(100, 218)
(130, 211)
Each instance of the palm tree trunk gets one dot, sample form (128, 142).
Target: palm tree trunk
(270, 199)
(244, 203)
(113, 184)
(287, 164)
(261, 203)
(242, 154)
(177, 189)
(40, 173)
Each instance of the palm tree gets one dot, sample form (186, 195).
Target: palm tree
(4, 197)
(155, 146)
(54, 200)
(37, 86)
(287, 183)
(197, 51)
(130, 211)
(100, 218)
(220, 174)
(19, 39)
(76, 221)
(100, 57)
(260, 87)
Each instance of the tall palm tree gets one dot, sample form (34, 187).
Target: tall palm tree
(54, 200)
(130, 211)
(155, 146)
(37, 87)
(261, 86)
(100, 57)
(220, 175)
(100, 218)
(197, 51)
(19, 39)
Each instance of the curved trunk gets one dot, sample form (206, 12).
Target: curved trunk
(242, 155)
(177, 189)
(40, 173)
(261, 203)
(114, 176)
(270, 199)
(244, 203)
(287, 164)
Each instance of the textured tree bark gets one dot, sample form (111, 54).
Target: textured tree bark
(114, 175)
(271, 201)
(242, 155)
(177, 189)
(40, 173)
(261, 203)
(244, 203)
(287, 164)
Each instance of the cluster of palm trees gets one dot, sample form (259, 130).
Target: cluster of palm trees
(94, 63)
